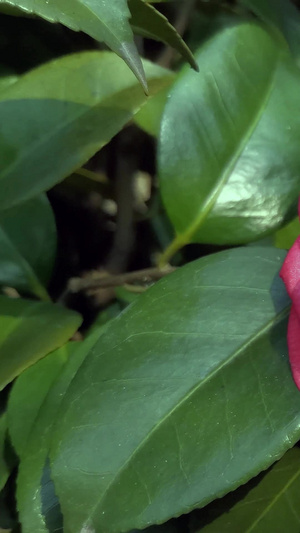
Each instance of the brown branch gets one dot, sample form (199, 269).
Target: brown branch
(100, 282)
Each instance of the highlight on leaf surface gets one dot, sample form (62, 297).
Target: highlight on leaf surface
(225, 136)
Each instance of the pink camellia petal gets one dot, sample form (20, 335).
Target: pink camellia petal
(290, 271)
(294, 345)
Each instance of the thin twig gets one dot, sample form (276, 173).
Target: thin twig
(141, 276)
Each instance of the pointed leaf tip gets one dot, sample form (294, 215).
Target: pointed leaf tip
(130, 55)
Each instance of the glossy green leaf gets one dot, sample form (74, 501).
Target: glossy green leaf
(28, 246)
(229, 158)
(104, 21)
(4, 469)
(268, 503)
(200, 358)
(40, 390)
(148, 22)
(282, 15)
(58, 115)
(30, 330)
(283, 238)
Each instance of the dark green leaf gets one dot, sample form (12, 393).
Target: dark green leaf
(268, 503)
(30, 391)
(57, 116)
(30, 330)
(229, 153)
(150, 23)
(282, 15)
(50, 505)
(190, 383)
(28, 246)
(39, 390)
(104, 21)
(28, 396)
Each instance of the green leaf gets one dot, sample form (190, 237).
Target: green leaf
(134, 438)
(229, 161)
(267, 503)
(283, 238)
(7, 78)
(30, 330)
(30, 392)
(28, 246)
(282, 15)
(4, 468)
(286, 236)
(104, 21)
(67, 113)
(50, 505)
(40, 390)
(149, 117)
(150, 23)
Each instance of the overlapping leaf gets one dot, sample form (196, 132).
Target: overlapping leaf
(149, 117)
(30, 330)
(159, 404)
(148, 22)
(267, 503)
(229, 160)
(28, 246)
(40, 390)
(282, 15)
(34, 383)
(104, 21)
(56, 117)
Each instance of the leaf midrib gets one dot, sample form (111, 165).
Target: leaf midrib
(195, 389)
(273, 501)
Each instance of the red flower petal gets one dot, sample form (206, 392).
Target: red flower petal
(290, 271)
(293, 338)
